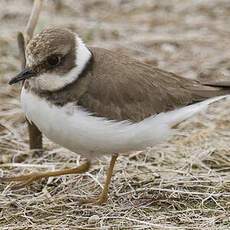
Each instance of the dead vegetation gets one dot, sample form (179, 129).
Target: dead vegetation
(181, 184)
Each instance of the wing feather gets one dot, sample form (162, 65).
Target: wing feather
(121, 88)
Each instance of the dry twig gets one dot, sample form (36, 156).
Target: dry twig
(35, 136)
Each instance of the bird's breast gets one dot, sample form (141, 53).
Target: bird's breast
(81, 132)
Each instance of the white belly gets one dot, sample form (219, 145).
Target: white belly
(73, 128)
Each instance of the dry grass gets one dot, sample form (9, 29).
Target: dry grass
(181, 184)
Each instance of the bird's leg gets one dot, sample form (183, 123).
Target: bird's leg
(27, 179)
(103, 197)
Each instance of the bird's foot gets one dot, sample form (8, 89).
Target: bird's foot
(27, 179)
(22, 180)
(102, 199)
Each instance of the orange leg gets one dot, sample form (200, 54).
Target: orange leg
(27, 179)
(103, 197)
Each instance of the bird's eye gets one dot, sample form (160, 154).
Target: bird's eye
(53, 60)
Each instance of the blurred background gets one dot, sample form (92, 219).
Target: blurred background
(183, 36)
(188, 37)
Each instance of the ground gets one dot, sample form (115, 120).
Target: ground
(181, 184)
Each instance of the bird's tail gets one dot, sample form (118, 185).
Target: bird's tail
(179, 115)
(215, 87)
(210, 92)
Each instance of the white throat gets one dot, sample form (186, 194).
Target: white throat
(83, 55)
(52, 82)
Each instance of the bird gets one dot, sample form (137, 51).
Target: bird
(95, 102)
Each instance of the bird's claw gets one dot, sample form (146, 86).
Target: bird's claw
(23, 180)
(102, 199)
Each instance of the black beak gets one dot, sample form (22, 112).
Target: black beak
(25, 74)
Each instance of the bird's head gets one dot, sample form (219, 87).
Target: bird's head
(54, 58)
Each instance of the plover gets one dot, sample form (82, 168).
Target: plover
(95, 101)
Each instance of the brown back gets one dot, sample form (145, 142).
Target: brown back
(121, 88)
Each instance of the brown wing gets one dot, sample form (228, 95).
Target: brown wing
(121, 88)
